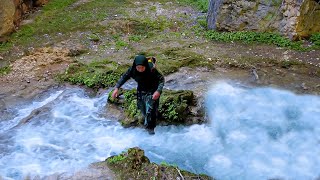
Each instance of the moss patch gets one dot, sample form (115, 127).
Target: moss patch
(133, 164)
(257, 37)
(174, 58)
(174, 105)
(174, 108)
(4, 70)
(98, 74)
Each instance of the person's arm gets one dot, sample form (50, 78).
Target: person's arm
(160, 79)
(124, 78)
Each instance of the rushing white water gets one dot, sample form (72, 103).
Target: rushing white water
(255, 133)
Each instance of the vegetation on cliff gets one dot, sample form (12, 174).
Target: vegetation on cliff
(265, 38)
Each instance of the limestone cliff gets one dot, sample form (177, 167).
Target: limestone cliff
(293, 18)
(12, 11)
(7, 11)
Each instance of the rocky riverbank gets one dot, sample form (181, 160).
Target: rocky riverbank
(87, 56)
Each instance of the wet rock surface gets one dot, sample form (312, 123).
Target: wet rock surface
(176, 107)
(133, 164)
(291, 18)
(33, 70)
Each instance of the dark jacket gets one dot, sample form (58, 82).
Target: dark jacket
(150, 80)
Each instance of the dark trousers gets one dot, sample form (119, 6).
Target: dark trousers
(148, 108)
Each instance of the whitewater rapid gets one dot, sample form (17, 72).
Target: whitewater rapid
(253, 133)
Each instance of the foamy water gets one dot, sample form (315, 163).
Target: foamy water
(254, 133)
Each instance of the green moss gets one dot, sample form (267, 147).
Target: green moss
(202, 5)
(174, 58)
(315, 39)
(130, 104)
(173, 107)
(133, 164)
(256, 37)
(4, 70)
(94, 37)
(98, 74)
(288, 64)
(4, 46)
(57, 5)
(120, 44)
(59, 19)
(135, 38)
(116, 159)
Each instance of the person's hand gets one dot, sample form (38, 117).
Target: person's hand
(156, 95)
(115, 93)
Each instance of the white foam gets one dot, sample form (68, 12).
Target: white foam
(258, 133)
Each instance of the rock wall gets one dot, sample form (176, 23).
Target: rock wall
(293, 18)
(7, 10)
(12, 11)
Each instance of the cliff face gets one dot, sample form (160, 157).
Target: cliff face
(293, 18)
(7, 11)
(12, 11)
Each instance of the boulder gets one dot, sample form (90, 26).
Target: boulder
(7, 11)
(12, 12)
(176, 107)
(133, 164)
(292, 18)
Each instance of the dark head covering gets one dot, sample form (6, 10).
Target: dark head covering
(141, 76)
(140, 60)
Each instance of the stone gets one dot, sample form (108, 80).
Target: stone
(175, 108)
(11, 12)
(294, 19)
(133, 164)
(7, 10)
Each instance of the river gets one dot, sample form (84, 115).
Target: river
(253, 133)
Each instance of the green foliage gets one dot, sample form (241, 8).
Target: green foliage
(130, 104)
(59, 18)
(170, 111)
(120, 44)
(94, 37)
(202, 5)
(315, 39)
(98, 74)
(288, 64)
(253, 37)
(115, 159)
(163, 163)
(174, 104)
(175, 58)
(5, 46)
(57, 5)
(135, 38)
(148, 25)
(4, 70)
(203, 22)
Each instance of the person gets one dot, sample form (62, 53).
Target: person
(150, 84)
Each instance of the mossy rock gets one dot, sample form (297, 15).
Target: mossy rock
(174, 105)
(95, 75)
(174, 108)
(133, 164)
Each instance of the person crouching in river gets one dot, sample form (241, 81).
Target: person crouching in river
(150, 84)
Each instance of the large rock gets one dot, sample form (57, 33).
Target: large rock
(133, 165)
(12, 11)
(309, 20)
(176, 107)
(293, 18)
(7, 10)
